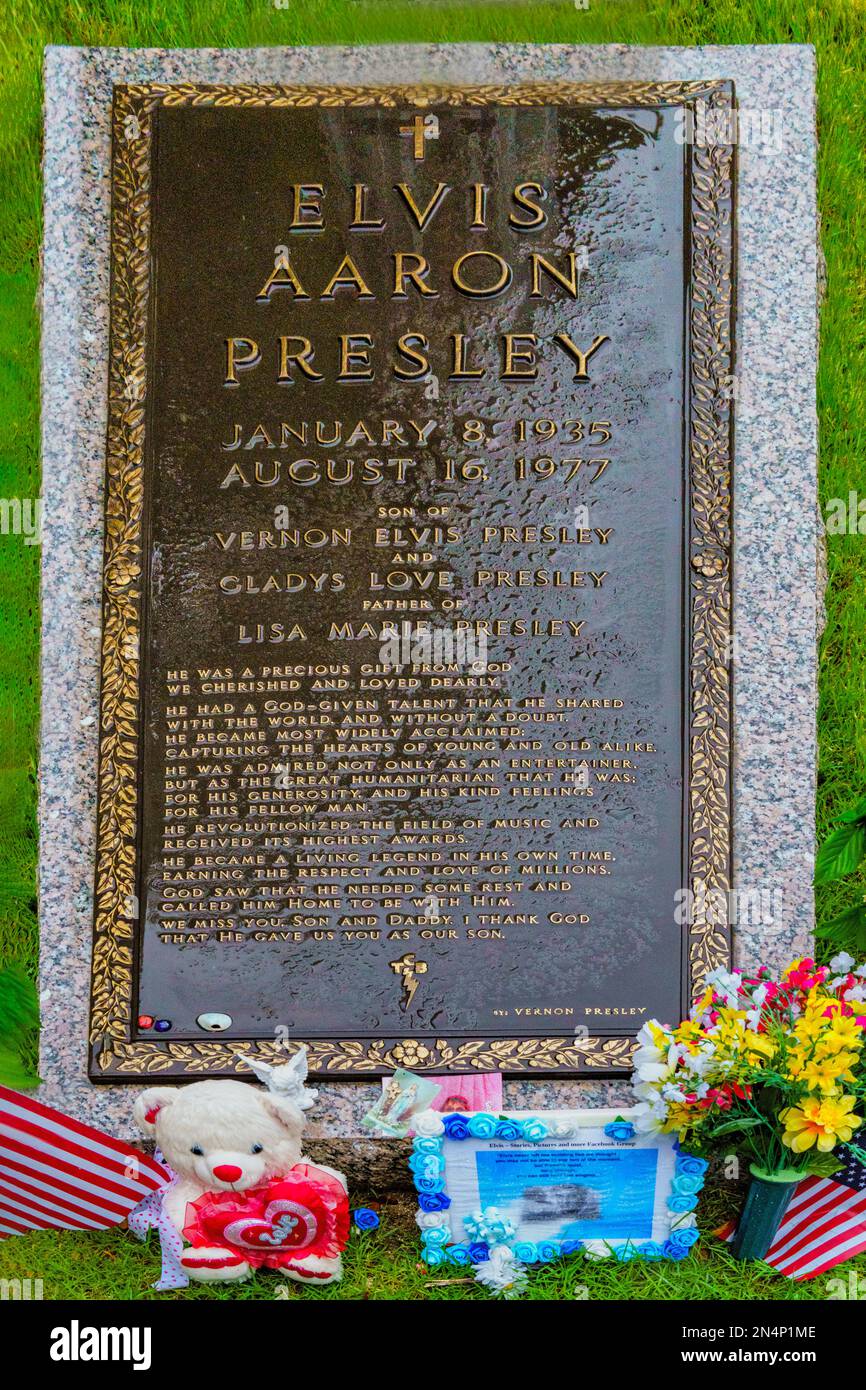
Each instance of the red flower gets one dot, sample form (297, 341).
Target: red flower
(719, 1096)
(723, 1096)
(804, 974)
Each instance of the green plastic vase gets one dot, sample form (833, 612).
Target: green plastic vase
(766, 1204)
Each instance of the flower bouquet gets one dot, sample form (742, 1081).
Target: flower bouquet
(776, 1066)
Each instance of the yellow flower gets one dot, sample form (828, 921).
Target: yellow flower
(809, 1027)
(730, 1018)
(828, 1006)
(702, 1004)
(736, 1042)
(682, 1118)
(821, 1122)
(828, 1074)
(759, 1044)
(690, 1034)
(797, 1062)
(842, 1032)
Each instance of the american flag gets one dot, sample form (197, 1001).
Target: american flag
(825, 1222)
(56, 1173)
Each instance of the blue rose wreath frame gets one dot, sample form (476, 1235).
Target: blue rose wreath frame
(488, 1228)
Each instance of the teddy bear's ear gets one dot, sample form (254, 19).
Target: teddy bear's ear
(286, 1111)
(149, 1104)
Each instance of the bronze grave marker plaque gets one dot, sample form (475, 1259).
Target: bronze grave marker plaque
(415, 735)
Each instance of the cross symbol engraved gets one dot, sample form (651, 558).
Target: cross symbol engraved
(408, 968)
(416, 130)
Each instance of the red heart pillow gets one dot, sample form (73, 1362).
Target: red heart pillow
(305, 1213)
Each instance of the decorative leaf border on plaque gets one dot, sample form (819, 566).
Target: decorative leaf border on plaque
(710, 174)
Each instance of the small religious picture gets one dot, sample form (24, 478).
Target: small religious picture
(403, 1095)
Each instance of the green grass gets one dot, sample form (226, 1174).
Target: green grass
(384, 1266)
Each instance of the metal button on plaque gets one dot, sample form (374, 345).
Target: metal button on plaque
(214, 1023)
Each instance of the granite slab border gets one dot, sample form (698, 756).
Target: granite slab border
(775, 524)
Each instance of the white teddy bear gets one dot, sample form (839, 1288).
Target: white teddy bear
(244, 1196)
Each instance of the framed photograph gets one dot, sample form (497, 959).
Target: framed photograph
(552, 1184)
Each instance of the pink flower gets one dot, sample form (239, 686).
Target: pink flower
(721, 1098)
(803, 974)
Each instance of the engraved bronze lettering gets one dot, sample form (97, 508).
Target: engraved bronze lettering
(415, 721)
